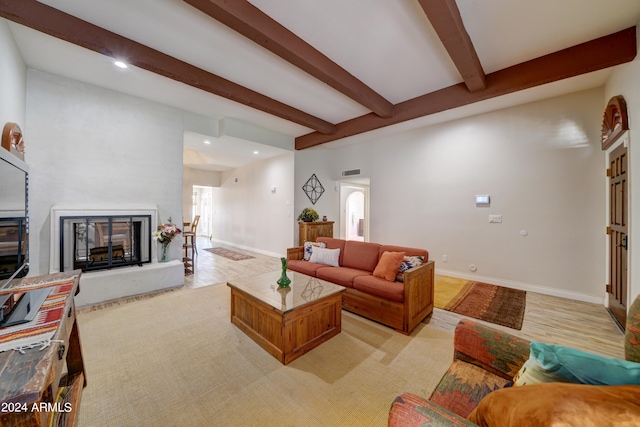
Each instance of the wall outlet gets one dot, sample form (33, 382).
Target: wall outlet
(445, 258)
(495, 218)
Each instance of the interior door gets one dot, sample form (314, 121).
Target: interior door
(618, 238)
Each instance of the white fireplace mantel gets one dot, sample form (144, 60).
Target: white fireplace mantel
(106, 285)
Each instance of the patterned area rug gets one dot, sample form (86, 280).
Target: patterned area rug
(491, 303)
(228, 253)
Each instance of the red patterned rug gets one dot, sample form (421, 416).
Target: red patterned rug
(491, 303)
(229, 254)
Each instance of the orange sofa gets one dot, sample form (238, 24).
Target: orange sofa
(401, 304)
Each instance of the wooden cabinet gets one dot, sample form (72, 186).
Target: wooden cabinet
(310, 231)
(42, 386)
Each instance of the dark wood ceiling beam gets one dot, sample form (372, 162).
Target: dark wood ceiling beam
(445, 18)
(251, 22)
(598, 54)
(56, 23)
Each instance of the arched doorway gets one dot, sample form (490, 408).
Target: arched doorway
(355, 216)
(354, 211)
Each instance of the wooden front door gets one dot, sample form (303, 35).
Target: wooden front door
(618, 239)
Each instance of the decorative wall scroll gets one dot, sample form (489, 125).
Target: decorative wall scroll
(12, 140)
(615, 121)
(313, 188)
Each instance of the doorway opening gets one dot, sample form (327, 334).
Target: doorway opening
(354, 210)
(202, 201)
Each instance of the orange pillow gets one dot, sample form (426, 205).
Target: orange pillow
(388, 265)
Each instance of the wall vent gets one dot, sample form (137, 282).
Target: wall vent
(351, 172)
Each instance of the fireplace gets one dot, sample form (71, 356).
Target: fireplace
(102, 242)
(116, 281)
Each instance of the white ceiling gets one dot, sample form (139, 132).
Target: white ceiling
(389, 45)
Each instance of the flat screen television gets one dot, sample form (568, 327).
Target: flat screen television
(15, 307)
(14, 219)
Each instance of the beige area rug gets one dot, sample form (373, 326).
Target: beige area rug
(176, 360)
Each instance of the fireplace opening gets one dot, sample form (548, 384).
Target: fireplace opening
(93, 243)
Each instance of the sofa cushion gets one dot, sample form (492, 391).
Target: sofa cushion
(304, 267)
(463, 386)
(560, 404)
(325, 256)
(361, 255)
(372, 285)
(332, 243)
(388, 265)
(342, 276)
(308, 248)
(549, 362)
(411, 410)
(409, 262)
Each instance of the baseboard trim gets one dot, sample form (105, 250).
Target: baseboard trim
(247, 248)
(525, 287)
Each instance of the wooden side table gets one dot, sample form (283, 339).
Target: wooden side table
(33, 380)
(310, 231)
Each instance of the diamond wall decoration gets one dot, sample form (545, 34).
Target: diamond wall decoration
(313, 189)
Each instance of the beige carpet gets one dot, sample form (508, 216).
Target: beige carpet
(176, 360)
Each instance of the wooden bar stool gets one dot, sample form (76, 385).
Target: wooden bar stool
(187, 259)
(192, 233)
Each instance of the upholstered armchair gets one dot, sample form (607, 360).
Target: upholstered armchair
(478, 386)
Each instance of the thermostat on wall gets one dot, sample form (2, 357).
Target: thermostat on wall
(483, 200)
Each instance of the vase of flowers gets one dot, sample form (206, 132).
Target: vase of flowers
(165, 235)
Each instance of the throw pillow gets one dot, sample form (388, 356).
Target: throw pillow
(532, 373)
(388, 265)
(308, 248)
(325, 256)
(410, 262)
(549, 362)
(559, 404)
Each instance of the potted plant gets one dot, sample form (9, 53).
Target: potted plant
(308, 215)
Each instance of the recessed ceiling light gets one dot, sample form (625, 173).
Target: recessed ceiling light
(207, 141)
(120, 64)
(256, 152)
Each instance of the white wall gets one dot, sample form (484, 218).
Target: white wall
(625, 81)
(97, 147)
(13, 80)
(541, 164)
(321, 162)
(247, 214)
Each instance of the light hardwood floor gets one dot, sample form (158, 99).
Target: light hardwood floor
(549, 319)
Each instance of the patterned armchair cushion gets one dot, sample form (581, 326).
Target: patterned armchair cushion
(498, 352)
(632, 334)
(411, 410)
(463, 386)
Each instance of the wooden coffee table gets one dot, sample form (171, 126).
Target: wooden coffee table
(287, 322)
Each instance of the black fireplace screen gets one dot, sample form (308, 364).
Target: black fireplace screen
(102, 242)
